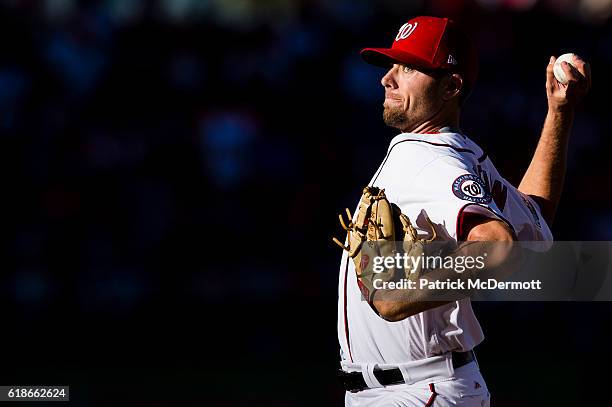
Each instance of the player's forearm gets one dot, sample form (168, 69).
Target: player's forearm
(396, 305)
(546, 174)
(502, 259)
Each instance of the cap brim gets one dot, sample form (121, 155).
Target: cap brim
(385, 57)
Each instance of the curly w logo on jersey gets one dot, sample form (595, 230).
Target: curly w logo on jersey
(469, 187)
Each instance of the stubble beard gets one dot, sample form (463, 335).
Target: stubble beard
(395, 117)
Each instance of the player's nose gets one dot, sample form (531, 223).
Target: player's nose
(388, 81)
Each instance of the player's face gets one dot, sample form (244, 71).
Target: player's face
(411, 97)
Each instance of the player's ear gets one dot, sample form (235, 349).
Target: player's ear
(454, 85)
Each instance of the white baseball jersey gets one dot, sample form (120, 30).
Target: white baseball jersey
(447, 175)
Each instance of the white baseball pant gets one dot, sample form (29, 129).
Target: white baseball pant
(466, 388)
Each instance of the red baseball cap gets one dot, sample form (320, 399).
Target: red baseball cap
(429, 43)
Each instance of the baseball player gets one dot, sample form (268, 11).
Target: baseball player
(422, 354)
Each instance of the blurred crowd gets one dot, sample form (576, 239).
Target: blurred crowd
(178, 163)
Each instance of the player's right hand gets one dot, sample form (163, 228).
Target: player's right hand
(567, 96)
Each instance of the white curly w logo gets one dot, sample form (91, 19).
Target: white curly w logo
(405, 31)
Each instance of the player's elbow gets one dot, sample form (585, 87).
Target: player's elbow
(385, 309)
(394, 311)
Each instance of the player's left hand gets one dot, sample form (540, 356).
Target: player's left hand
(567, 96)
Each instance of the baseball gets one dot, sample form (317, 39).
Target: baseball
(558, 70)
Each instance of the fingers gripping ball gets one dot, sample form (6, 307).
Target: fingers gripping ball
(558, 69)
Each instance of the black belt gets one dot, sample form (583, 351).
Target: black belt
(354, 381)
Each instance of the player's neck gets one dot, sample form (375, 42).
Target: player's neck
(435, 124)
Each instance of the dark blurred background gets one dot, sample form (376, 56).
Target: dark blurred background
(172, 171)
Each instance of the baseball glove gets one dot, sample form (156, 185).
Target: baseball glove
(382, 230)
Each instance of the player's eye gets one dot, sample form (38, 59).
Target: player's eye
(406, 69)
